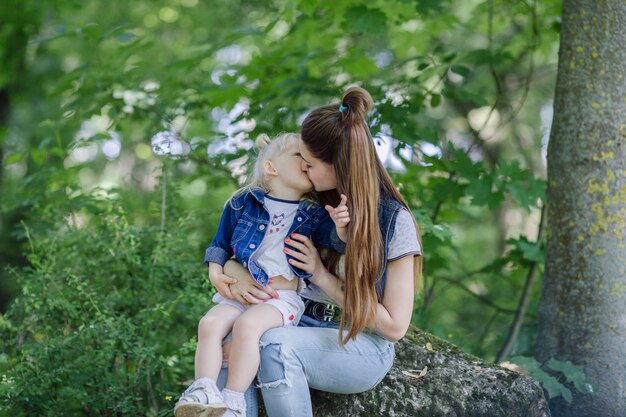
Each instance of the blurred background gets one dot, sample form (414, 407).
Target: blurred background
(125, 126)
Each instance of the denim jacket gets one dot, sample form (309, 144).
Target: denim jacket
(388, 209)
(243, 225)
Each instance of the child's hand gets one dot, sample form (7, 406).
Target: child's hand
(220, 280)
(341, 217)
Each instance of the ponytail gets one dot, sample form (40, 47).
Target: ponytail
(339, 135)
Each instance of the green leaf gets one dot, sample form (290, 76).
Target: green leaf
(554, 387)
(449, 57)
(444, 188)
(482, 193)
(427, 227)
(459, 93)
(435, 100)
(38, 155)
(460, 69)
(125, 37)
(463, 165)
(363, 20)
(520, 183)
(528, 363)
(531, 251)
(549, 383)
(429, 6)
(360, 66)
(16, 157)
(573, 373)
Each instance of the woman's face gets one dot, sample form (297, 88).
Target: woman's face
(321, 174)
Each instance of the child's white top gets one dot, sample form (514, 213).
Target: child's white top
(269, 255)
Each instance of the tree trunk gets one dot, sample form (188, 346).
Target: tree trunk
(454, 384)
(582, 311)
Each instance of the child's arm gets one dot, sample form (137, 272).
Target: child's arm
(341, 217)
(220, 250)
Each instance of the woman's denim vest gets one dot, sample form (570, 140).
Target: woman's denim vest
(388, 209)
(243, 225)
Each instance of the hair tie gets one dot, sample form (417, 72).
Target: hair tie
(343, 108)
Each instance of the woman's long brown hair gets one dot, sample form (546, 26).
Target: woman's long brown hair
(342, 138)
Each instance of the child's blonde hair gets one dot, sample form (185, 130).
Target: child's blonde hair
(268, 149)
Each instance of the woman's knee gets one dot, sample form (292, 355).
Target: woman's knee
(275, 352)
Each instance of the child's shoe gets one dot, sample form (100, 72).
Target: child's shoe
(202, 398)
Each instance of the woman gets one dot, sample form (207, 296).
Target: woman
(345, 339)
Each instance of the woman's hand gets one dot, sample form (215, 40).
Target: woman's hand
(245, 289)
(341, 217)
(306, 256)
(220, 280)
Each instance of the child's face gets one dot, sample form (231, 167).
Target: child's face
(288, 166)
(321, 174)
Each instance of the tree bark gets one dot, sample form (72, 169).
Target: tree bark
(582, 310)
(454, 384)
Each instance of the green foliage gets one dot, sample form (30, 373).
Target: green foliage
(474, 183)
(554, 387)
(104, 319)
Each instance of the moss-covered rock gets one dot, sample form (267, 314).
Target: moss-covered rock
(453, 384)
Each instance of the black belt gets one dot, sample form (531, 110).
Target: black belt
(322, 311)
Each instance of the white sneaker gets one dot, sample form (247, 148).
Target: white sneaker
(200, 400)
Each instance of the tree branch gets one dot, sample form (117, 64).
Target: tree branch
(523, 303)
(481, 298)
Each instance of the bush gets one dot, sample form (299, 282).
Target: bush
(106, 320)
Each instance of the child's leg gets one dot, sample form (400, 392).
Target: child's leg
(243, 362)
(212, 329)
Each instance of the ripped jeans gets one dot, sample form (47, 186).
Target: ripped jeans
(294, 359)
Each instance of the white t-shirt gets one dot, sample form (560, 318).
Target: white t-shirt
(269, 255)
(404, 242)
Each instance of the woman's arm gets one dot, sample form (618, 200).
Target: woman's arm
(393, 315)
(245, 289)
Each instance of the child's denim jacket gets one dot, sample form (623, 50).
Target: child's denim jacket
(243, 225)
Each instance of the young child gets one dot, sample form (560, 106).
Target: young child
(254, 227)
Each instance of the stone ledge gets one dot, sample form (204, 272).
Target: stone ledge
(454, 384)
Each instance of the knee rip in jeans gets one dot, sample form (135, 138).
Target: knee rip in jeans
(272, 369)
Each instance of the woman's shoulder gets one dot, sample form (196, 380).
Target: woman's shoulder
(405, 218)
(405, 239)
(391, 203)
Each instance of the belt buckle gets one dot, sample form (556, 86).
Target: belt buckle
(329, 312)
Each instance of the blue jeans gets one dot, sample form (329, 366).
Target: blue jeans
(294, 359)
